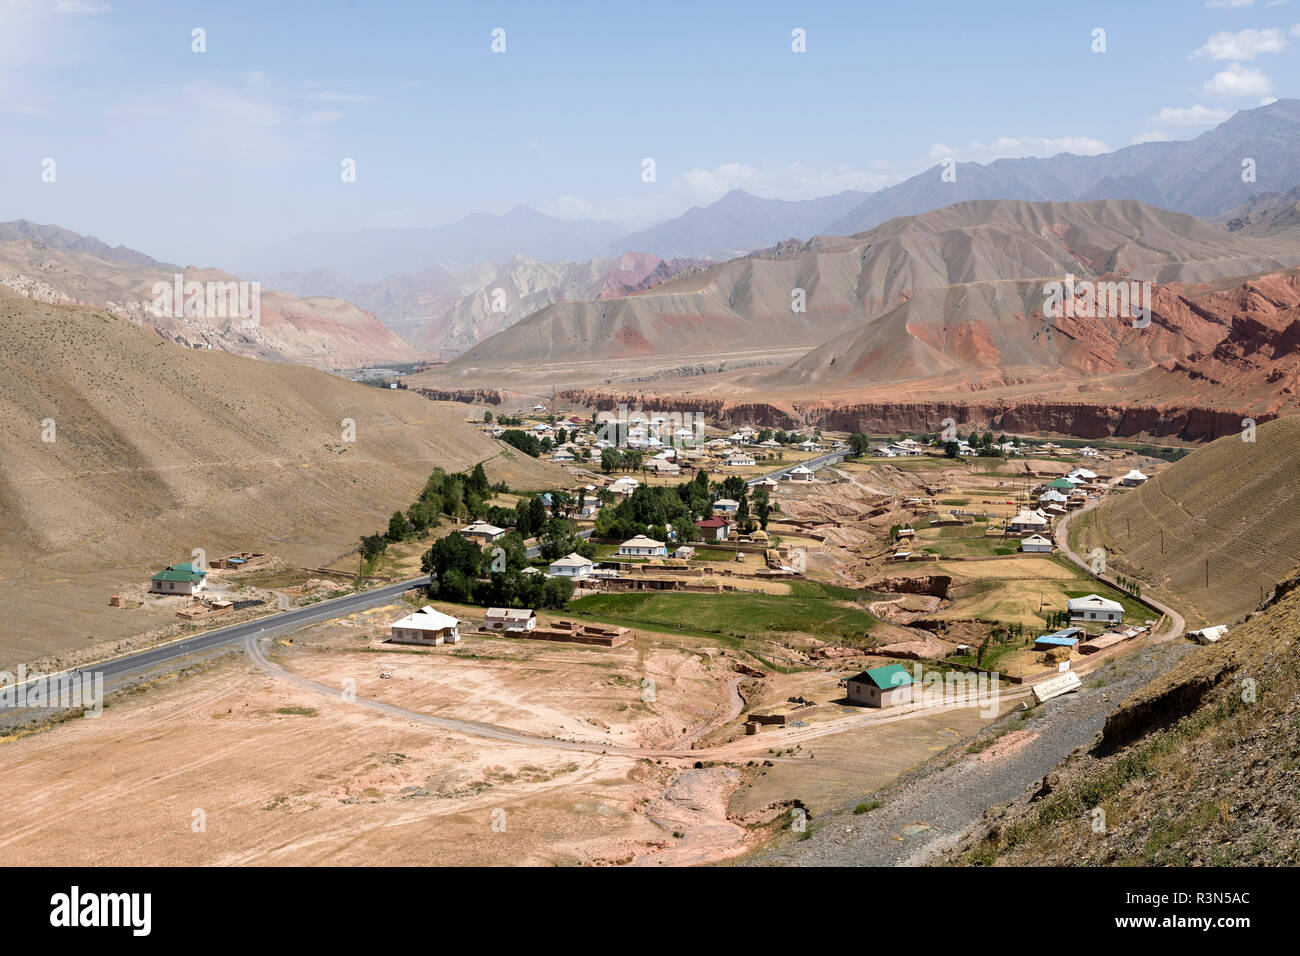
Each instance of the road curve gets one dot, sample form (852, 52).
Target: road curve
(1063, 542)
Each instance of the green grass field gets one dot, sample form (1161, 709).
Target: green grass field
(821, 610)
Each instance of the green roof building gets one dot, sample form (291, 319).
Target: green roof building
(886, 686)
(181, 578)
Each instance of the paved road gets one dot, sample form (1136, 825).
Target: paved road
(116, 669)
(813, 463)
(131, 664)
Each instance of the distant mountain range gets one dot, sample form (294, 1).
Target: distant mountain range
(738, 223)
(57, 266)
(910, 266)
(373, 254)
(1202, 177)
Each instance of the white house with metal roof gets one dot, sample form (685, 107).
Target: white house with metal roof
(1094, 607)
(572, 565)
(426, 626)
(643, 547)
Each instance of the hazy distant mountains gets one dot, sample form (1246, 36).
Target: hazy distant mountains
(56, 266)
(478, 238)
(65, 240)
(1202, 176)
(738, 223)
(915, 297)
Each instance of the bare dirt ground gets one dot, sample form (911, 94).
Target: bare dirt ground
(235, 765)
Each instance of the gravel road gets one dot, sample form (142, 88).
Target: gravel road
(928, 809)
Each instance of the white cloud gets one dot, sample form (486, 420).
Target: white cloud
(322, 117)
(1228, 4)
(212, 119)
(1005, 147)
(1267, 100)
(1243, 45)
(82, 7)
(1237, 81)
(1190, 116)
(331, 96)
(1151, 136)
(1295, 31)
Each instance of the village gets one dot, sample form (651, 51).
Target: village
(699, 616)
(869, 549)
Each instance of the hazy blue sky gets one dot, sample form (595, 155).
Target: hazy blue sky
(196, 157)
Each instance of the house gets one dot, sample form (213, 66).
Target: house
(726, 506)
(1083, 474)
(1133, 479)
(1087, 451)
(181, 578)
(740, 461)
(801, 473)
(906, 533)
(641, 546)
(482, 531)
(509, 619)
(887, 686)
(572, 565)
(714, 529)
(809, 445)
(883, 451)
(1052, 497)
(684, 553)
(1027, 521)
(426, 626)
(1094, 607)
(1060, 484)
(913, 450)
(624, 486)
(661, 466)
(561, 454)
(1036, 543)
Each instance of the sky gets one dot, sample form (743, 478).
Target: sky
(197, 157)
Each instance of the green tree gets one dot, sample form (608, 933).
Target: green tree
(525, 442)
(536, 515)
(398, 528)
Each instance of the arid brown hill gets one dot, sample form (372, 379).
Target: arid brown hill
(1234, 504)
(1238, 346)
(53, 265)
(850, 283)
(158, 450)
(1196, 769)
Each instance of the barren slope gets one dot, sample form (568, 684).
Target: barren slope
(159, 450)
(1233, 503)
(1196, 769)
(323, 332)
(849, 282)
